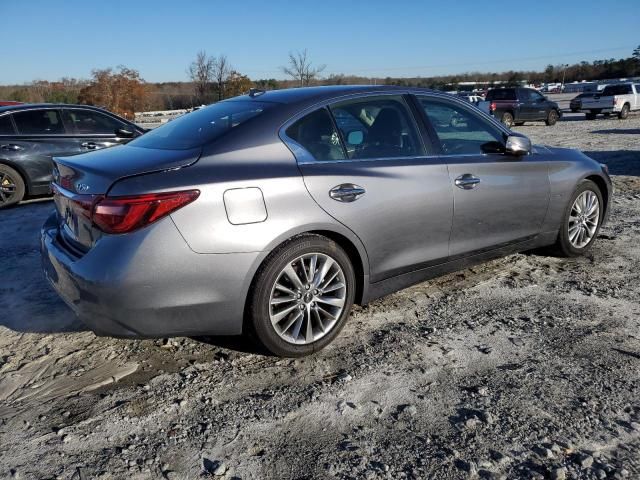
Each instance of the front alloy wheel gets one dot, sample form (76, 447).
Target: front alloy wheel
(584, 219)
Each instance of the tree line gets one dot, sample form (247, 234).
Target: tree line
(213, 78)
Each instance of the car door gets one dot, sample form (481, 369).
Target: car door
(498, 199)
(95, 130)
(364, 163)
(40, 135)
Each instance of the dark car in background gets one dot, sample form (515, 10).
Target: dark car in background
(514, 106)
(31, 134)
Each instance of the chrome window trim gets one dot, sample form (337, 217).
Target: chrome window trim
(302, 156)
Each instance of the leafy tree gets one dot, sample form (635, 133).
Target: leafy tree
(121, 91)
(237, 84)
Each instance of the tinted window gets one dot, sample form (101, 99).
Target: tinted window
(617, 90)
(501, 94)
(460, 131)
(377, 127)
(91, 122)
(38, 122)
(316, 133)
(6, 127)
(202, 126)
(534, 96)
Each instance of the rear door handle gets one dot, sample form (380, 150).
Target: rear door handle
(466, 181)
(346, 192)
(11, 146)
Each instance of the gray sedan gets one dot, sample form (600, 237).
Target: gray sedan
(271, 213)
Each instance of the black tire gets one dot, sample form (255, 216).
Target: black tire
(518, 124)
(507, 119)
(590, 116)
(624, 113)
(258, 323)
(563, 246)
(552, 118)
(12, 188)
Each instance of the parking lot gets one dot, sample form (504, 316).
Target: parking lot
(524, 367)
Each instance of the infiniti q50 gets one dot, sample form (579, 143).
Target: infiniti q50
(271, 213)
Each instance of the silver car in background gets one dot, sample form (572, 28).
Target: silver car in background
(271, 213)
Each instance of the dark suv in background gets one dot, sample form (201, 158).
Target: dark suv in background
(31, 134)
(514, 106)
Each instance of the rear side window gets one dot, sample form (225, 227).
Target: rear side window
(202, 126)
(39, 122)
(91, 122)
(377, 127)
(6, 127)
(501, 94)
(317, 135)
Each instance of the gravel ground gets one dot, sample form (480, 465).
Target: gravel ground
(524, 367)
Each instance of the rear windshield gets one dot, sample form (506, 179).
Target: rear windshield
(501, 94)
(202, 126)
(616, 90)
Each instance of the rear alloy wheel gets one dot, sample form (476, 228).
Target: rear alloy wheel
(552, 118)
(624, 113)
(12, 187)
(302, 296)
(507, 119)
(581, 221)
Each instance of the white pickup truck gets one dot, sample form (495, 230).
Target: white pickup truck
(620, 98)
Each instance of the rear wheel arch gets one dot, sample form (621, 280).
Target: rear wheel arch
(354, 255)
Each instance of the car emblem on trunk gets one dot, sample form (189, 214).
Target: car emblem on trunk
(82, 187)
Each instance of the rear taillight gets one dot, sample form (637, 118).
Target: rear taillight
(126, 214)
(492, 106)
(614, 101)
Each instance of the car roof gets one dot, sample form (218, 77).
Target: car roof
(35, 106)
(309, 95)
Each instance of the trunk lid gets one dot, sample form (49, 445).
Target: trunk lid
(82, 180)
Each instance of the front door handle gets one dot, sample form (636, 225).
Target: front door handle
(11, 146)
(466, 181)
(89, 145)
(347, 192)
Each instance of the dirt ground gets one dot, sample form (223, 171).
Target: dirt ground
(525, 367)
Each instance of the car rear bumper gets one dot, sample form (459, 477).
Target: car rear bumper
(149, 283)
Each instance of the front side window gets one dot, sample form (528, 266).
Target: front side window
(202, 126)
(39, 122)
(89, 122)
(460, 131)
(377, 127)
(317, 135)
(535, 96)
(6, 127)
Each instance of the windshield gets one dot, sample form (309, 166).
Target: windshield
(202, 126)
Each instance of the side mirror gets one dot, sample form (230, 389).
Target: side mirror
(517, 145)
(124, 133)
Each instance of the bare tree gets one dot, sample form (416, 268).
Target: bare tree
(301, 68)
(221, 71)
(201, 73)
